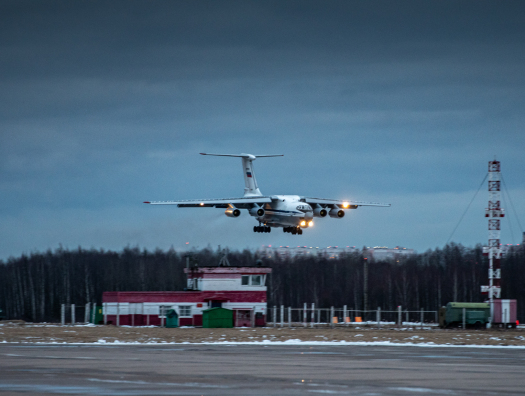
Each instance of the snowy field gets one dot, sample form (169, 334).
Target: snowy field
(353, 335)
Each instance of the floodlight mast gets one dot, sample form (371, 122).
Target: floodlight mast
(494, 212)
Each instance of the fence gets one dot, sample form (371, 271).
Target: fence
(310, 316)
(71, 313)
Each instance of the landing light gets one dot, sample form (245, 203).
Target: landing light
(346, 205)
(202, 203)
(310, 223)
(303, 223)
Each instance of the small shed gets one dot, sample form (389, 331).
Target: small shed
(217, 318)
(505, 312)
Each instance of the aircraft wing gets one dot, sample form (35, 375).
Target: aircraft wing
(343, 204)
(241, 203)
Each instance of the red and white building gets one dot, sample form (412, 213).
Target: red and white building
(241, 289)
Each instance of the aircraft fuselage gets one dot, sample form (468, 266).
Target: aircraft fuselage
(286, 211)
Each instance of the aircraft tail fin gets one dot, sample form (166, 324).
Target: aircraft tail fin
(251, 188)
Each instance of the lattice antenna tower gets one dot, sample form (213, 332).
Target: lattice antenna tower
(494, 212)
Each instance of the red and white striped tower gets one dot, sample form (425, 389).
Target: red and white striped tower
(494, 212)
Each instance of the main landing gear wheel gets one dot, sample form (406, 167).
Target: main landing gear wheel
(262, 229)
(293, 230)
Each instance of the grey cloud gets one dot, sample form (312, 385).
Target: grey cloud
(105, 105)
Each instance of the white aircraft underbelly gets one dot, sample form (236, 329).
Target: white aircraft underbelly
(283, 212)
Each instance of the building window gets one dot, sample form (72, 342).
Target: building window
(163, 310)
(184, 310)
(253, 280)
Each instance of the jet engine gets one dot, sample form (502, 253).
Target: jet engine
(257, 212)
(232, 212)
(336, 213)
(320, 212)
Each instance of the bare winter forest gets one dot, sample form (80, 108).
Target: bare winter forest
(32, 287)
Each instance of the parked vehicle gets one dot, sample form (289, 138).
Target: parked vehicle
(476, 315)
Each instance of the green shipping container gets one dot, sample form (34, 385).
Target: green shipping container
(217, 318)
(172, 319)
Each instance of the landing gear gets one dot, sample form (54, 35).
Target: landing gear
(262, 229)
(293, 230)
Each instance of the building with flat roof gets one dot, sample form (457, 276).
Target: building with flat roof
(333, 252)
(241, 289)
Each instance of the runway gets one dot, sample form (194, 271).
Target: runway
(189, 369)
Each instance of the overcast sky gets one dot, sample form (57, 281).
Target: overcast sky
(107, 104)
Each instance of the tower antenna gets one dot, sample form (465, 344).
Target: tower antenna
(494, 212)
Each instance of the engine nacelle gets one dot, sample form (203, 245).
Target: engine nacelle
(257, 212)
(232, 212)
(320, 212)
(336, 213)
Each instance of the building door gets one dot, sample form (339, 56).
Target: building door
(243, 318)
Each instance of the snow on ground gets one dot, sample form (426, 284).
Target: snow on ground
(287, 342)
(42, 333)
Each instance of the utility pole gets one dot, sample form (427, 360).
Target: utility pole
(365, 287)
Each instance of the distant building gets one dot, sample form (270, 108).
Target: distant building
(306, 251)
(383, 253)
(509, 247)
(334, 252)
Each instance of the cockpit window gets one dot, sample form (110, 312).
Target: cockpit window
(304, 208)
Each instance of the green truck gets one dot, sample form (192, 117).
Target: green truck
(476, 315)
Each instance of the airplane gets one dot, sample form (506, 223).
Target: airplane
(291, 212)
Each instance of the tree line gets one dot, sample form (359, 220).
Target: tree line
(32, 287)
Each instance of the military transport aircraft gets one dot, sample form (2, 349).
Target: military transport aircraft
(291, 212)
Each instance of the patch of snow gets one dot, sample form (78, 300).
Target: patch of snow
(184, 384)
(425, 390)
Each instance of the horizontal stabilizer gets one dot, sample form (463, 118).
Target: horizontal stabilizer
(244, 155)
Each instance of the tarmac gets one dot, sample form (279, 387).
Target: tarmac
(229, 369)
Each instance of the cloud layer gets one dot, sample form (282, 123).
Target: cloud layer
(105, 105)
